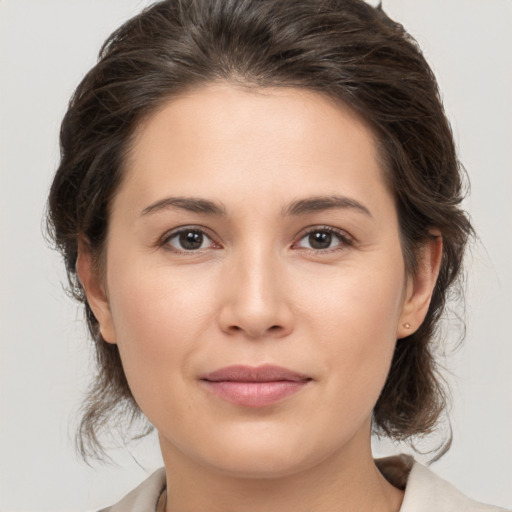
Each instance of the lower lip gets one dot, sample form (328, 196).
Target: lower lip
(255, 394)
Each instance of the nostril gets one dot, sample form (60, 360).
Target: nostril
(272, 329)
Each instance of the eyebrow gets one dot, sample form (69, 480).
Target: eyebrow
(322, 203)
(186, 203)
(298, 207)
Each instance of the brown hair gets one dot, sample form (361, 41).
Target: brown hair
(345, 49)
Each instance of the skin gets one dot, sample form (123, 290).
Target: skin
(258, 292)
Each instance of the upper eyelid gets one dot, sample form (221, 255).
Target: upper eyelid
(346, 240)
(337, 231)
(187, 227)
(192, 227)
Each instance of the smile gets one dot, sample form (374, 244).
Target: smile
(254, 386)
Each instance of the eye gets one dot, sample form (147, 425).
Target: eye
(188, 240)
(321, 239)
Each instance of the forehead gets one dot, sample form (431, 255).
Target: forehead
(222, 138)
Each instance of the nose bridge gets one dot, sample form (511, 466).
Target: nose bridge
(258, 273)
(256, 302)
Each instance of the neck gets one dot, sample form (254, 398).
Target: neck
(344, 481)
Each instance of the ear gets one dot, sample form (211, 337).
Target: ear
(95, 291)
(420, 286)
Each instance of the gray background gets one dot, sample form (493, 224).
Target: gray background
(45, 48)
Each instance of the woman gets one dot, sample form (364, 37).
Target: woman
(258, 204)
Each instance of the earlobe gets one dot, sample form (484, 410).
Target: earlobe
(420, 286)
(95, 291)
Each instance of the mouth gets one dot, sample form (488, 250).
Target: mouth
(249, 386)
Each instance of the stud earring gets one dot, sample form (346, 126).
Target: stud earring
(407, 325)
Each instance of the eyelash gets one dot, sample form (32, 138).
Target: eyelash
(345, 240)
(343, 237)
(165, 240)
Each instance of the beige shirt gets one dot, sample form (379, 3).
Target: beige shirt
(424, 490)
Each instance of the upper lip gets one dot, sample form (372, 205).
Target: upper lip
(264, 373)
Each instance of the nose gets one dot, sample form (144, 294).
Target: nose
(255, 302)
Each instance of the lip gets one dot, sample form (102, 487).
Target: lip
(254, 386)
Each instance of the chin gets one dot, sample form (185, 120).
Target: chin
(255, 464)
(264, 453)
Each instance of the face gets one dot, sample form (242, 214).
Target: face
(255, 283)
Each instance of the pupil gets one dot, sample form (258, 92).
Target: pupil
(191, 240)
(320, 240)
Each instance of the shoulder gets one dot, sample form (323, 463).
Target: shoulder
(425, 491)
(144, 497)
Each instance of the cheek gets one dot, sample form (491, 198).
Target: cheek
(354, 322)
(159, 319)
(355, 300)
(147, 300)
